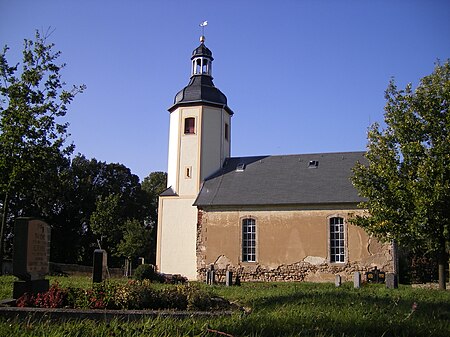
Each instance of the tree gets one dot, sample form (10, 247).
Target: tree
(107, 221)
(95, 202)
(407, 178)
(32, 136)
(154, 184)
(136, 240)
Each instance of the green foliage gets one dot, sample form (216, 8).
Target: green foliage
(99, 201)
(33, 131)
(83, 200)
(135, 240)
(113, 295)
(145, 272)
(407, 178)
(153, 185)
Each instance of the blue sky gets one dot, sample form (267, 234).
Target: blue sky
(302, 76)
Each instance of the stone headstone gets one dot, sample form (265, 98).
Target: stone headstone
(212, 277)
(237, 281)
(100, 265)
(338, 281)
(391, 281)
(357, 279)
(31, 256)
(229, 278)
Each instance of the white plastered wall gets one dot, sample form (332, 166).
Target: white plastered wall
(174, 140)
(177, 235)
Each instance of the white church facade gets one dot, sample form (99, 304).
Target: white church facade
(263, 217)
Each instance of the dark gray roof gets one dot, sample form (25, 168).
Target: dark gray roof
(202, 50)
(200, 90)
(283, 180)
(169, 192)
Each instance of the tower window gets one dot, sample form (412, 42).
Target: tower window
(189, 125)
(226, 131)
(188, 172)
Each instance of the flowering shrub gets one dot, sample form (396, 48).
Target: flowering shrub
(132, 295)
(55, 297)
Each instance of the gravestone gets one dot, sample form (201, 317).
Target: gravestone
(338, 281)
(391, 281)
(210, 275)
(100, 265)
(357, 279)
(229, 278)
(31, 256)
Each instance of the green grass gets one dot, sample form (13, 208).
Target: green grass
(277, 309)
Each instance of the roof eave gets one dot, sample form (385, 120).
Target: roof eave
(219, 205)
(201, 102)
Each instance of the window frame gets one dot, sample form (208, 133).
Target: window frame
(248, 243)
(226, 131)
(337, 246)
(188, 172)
(189, 130)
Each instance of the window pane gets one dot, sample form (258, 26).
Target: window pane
(189, 125)
(336, 240)
(248, 240)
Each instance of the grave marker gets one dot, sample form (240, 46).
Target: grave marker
(229, 278)
(391, 281)
(338, 281)
(31, 256)
(357, 280)
(100, 265)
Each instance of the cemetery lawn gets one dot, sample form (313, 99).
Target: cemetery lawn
(273, 309)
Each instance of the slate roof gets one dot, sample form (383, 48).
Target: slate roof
(200, 89)
(283, 180)
(202, 50)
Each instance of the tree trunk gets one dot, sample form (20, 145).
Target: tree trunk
(443, 262)
(2, 229)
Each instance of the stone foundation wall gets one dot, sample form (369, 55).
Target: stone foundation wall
(301, 271)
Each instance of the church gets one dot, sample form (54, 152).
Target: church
(265, 218)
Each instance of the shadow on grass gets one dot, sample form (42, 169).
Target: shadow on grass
(320, 310)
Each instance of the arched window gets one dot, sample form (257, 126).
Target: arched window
(189, 125)
(337, 240)
(248, 240)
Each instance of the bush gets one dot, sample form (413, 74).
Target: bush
(55, 297)
(132, 295)
(146, 272)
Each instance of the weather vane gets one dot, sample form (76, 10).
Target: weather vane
(203, 25)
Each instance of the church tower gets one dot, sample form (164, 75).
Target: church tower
(199, 143)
